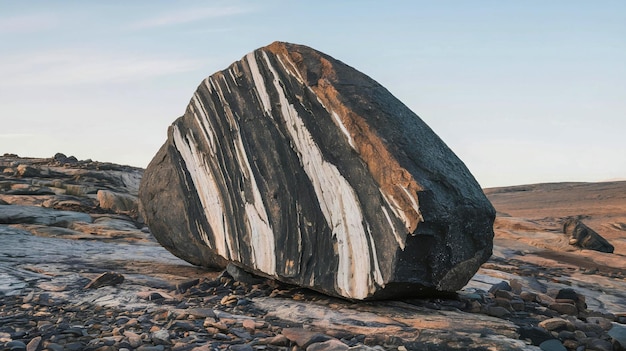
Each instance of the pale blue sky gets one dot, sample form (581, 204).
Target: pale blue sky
(522, 91)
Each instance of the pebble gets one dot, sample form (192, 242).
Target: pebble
(161, 337)
(618, 333)
(328, 345)
(555, 324)
(552, 345)
(497, 311)
(105, 279)
(15, 345)
(600, 345)
(151, 348)
(536, 335)
(304, 337)
(564, 308)
(602, 322)
(503, 285)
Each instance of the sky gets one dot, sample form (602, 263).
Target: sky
(522, 91)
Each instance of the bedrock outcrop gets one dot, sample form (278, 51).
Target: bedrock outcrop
(294, 165)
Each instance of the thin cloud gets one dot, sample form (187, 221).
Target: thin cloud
(16, 135)
(65, 68)
(189, 16)
(27, 23)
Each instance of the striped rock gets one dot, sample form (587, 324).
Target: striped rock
(293, 165)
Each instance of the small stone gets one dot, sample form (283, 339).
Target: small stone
(222, 336)
(249, 324)
(241, 347)
(278, 340)
(55, 347)
(328, 345)
(555, 324)
(518, 304)
(536, 335)
(552, 345)
(544, 299)
(240, 275)
(105, 279)
(304, 337)
(133, 339)
(183, 325)
(505, 294)
(74, 346)
(211, 330)
(503, 302)
(497, 311)
(604, 323)
(618, 333)
(571, 344)
(153, 295)
(151, 348)
(33, 345)
(474, 307)
(201, 312)
(228, 300)
(503, 285)
(567, 293)
(516, 286)
(528, 296)
(161, 337)
(600, 345)
(184, 286)
(15, 345)
(564, 308)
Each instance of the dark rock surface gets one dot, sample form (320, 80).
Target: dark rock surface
(585, 237)
(296, 166)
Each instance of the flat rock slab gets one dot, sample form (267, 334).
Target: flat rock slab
(16, 214)
(295, 166)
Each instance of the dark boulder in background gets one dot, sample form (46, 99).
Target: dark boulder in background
(585, 237)
(293, 165)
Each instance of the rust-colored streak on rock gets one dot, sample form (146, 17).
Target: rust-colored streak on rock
(395, 182)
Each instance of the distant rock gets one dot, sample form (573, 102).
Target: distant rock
(295, 166)
(585, 237)
(61, 196)
(118, 202)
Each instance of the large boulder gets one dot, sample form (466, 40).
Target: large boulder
(294, 165)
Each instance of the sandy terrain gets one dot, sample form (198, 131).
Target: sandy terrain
(529, 236)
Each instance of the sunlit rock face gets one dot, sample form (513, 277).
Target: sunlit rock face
(293, 165)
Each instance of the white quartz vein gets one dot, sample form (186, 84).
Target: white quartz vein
(378, 277)
(200, 114)
(204, 182)
(337, 200)
(393, 228)
(259, 82)
(343, 128)
(261, 233)
(293, 71)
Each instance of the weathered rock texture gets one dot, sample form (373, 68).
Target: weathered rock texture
(294, 165)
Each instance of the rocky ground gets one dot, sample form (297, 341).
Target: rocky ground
(79, 271)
